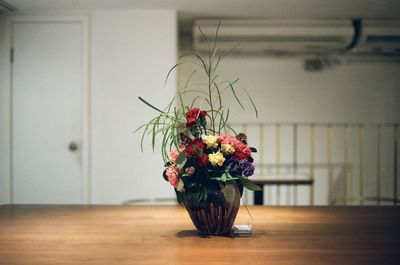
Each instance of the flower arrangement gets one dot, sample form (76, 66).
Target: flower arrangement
(202, 159)
(201, 152)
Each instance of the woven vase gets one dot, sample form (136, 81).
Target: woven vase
(217, 214)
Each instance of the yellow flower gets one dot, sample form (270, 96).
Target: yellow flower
(216, 159)
(211, 141)
(227, 149)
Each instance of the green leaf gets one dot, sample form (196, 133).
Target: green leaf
(249, 184)
(170, 70)
(181, 159)
(181, 101)
(194, 101)
(230, 128)
(204, 64)
(153, 138)
(219, 94)
(165, 175)
(151, 106)
(231, 177)
(234, 93)
(180, 185)
(189, 78)
(252, 102)
(164, 143)
(253, 149)
(168, 107)
(230, 50)
(224, 177)
(208, 42)
(193, 91)
(216, 65)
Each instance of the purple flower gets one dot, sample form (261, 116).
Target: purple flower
(232, 165)
(249, 170)
(240, 167)
(246, 168)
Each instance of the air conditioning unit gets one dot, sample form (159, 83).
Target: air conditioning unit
(274, 36)
(379, 37)
(6, 7)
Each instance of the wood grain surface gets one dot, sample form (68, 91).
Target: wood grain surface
(165, 235)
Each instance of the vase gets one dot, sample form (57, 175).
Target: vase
(216, 214)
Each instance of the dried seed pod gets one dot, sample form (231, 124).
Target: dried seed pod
(242, 137)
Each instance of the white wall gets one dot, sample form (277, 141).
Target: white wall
(4, 115)
(131, 54)
(284, 92)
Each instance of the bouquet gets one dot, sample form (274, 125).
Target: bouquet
(202, 154)
(203, 158)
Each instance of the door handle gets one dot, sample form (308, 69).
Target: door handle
(72, 146)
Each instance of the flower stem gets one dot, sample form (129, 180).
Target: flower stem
(210, 95)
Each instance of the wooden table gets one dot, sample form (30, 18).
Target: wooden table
(164, 235)
(261, 182)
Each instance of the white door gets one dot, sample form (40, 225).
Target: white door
(46, 112)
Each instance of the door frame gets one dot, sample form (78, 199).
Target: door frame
(83, 20)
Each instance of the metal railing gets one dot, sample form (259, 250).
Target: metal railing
(356, 162)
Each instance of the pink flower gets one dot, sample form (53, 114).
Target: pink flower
(236, 143)
(173, 155)
(172, 173)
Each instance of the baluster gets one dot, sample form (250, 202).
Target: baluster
(295, 161)
(245, 192)
(378, 163)
(278, 148)
(261, 149)
(278, 159)
(395, 171)
(361, 133)
(262, 160)
(346, 162)
(330, 168)
(312, 165)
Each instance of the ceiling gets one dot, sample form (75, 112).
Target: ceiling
(191, 9)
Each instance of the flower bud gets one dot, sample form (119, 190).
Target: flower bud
(190, 170)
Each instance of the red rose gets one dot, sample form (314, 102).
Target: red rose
(202, 161)
(190, 150)
(193, 115)
(240, 155)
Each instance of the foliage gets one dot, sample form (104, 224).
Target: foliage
(195, 145)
